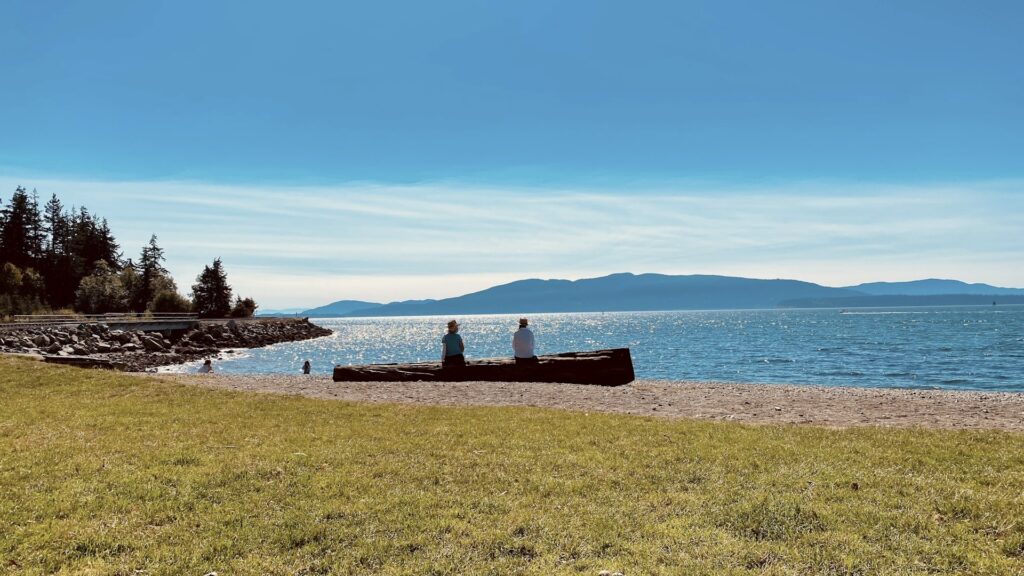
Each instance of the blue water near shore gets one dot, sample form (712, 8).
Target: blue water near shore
(956, 348)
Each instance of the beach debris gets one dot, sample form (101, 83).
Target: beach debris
(778, 408)
(854, 486)
(604, 573)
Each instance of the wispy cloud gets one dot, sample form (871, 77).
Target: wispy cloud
(305, 245)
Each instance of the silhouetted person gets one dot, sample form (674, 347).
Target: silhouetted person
(523, 343)
(305, 367)
(452, 347)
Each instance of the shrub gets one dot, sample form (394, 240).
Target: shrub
(244, 308)
(170, 301)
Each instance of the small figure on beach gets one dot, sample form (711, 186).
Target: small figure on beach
(207, 367)
(452, 347)
(523, 343)
(306, 367)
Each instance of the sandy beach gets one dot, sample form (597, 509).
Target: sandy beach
(752, 403)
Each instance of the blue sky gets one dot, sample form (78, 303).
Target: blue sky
(407, 149)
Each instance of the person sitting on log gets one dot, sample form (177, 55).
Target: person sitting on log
(452, 347)
(522, 344)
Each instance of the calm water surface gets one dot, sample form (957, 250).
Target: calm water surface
(977, 348)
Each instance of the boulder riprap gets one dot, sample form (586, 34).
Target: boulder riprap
(137, 350)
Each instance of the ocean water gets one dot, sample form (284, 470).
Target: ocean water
(957, 348)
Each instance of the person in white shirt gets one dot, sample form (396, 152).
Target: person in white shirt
(522, 344)
(207, 367)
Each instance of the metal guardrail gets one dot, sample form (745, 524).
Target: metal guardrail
(26, 321)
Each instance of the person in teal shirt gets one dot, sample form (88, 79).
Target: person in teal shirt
(452, 347)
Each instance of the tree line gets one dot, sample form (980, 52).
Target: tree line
(54, 259)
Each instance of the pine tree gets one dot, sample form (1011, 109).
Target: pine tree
(211, 294)
(151, 271)
(58, 268)
(21, 231)
(56, 227)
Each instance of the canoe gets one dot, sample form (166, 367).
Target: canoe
(600, 367)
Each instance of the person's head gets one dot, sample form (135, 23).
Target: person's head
(207, 362)
(523, 322)
(306, 362)
(453, 326)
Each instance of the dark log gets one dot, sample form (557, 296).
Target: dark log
(600, 367)
(81, 361)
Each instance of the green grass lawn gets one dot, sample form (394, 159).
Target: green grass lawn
(102, 473)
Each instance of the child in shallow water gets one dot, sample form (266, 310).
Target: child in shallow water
(206, 367)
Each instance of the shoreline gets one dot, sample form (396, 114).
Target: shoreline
(96, 344)
(836, 407)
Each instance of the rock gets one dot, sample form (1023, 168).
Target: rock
(41, 340)
(604, 573)
(54, 348)
(102, 347)
(80, 350)
(152, 345)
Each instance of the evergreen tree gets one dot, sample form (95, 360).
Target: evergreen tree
(151, 272)
(211, 294)
(21, 231)
(58, 267)
(92, 242)
(55, 223)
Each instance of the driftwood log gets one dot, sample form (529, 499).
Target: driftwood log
(600, 367)
(81, 361)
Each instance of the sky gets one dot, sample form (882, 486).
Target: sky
(394, 150)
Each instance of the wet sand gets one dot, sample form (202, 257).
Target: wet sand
(754, 403)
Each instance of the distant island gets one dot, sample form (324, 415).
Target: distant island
(640, 292)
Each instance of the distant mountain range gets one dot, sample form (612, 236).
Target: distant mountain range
(339, 308)
(931, 287)
(635, 292)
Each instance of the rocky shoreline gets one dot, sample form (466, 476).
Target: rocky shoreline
(137, 351)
